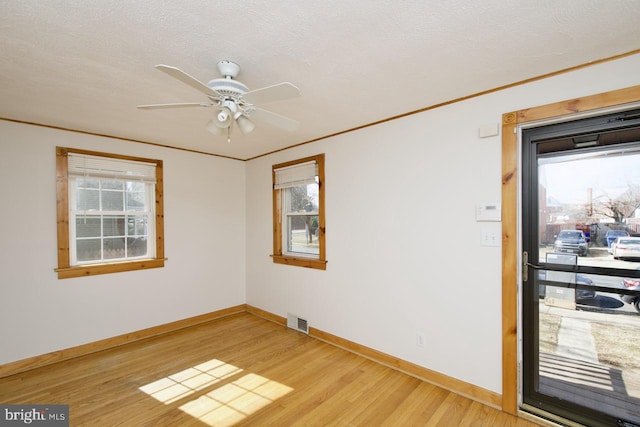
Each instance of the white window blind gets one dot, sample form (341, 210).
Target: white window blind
(295, 175)
(85, 165)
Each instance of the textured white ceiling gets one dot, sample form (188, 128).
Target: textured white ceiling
(86, 64)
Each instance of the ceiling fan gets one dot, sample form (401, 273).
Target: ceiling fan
(233, 101)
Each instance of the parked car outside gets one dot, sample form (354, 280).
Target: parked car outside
(626, 247)
(572, 241)
(632, 285)
(612, 235)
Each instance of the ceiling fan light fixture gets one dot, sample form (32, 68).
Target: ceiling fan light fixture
(213, 127)
(246, 126)
(223, 118)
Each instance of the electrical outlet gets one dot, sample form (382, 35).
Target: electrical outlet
(419, 339)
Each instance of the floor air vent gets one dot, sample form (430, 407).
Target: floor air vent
(297, 323)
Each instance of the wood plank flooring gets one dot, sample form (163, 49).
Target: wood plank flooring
(241, 370)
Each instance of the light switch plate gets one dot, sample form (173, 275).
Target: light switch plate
(490, 238)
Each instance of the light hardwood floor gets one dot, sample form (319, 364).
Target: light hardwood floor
(241, 370)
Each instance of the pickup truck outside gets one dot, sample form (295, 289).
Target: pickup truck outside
(571, 241)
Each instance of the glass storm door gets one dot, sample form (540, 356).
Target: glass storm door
(580, 291)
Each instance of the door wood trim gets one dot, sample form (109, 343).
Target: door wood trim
(510, 209)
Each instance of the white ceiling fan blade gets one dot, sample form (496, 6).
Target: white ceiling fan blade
(278, 92)
(275, 119)
(187, 79)
(175, 105)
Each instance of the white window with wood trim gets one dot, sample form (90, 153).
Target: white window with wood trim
(298, 213)
(109, 213)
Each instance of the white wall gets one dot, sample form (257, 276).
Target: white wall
(403, 246)
(204, 208)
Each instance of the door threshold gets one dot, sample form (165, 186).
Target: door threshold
(537, 415)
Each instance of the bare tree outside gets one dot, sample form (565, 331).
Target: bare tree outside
(619, 208)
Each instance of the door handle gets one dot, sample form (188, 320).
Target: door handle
(525, 266)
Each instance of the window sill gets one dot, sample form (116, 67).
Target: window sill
(115, 267)
(300, 262)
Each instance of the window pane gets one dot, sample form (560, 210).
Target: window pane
(114, 248)
(87, 200)
(113, 225)
(137, 226)
(88, 250)
(586, 202)
(135, 186)
(301, 222)
(88, 183)
(87, 226)
(136, 246)
(112, 201)
(135, 201)
(302, 234)
(112, 184)
(303, 198)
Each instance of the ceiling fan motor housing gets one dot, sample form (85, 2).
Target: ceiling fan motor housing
(228, 87)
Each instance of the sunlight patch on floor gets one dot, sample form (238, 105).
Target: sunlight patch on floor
(232, 402)
(182, 384)
(222, 406)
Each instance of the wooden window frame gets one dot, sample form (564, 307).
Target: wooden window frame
(510, 212)
(279, 257)
(65, 270)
